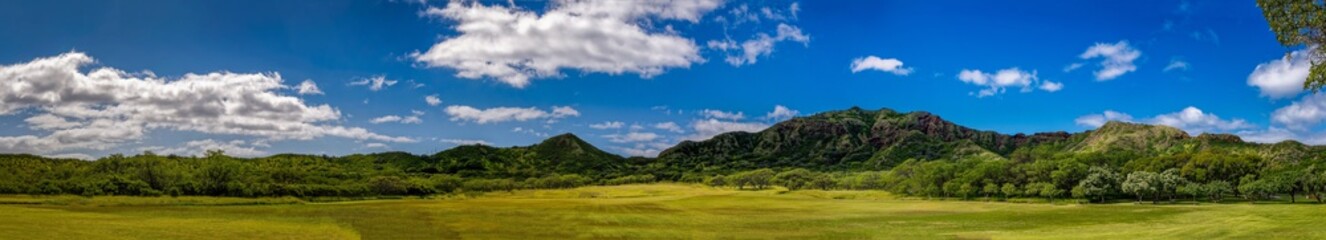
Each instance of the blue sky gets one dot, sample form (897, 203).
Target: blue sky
(632, 77)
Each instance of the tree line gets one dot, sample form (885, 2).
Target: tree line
(216, 174)
(1209, 176)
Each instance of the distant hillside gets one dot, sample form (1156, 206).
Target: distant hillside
(857, 139)
(916, 153)
(563, 154)
(852, 138)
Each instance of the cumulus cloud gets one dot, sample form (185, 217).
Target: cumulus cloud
(669, 126)
(1302, 114)
(781, 113)
(374, 83)
(719, 114)
(238, 148)
(1194, 120)
(105, 107)
(1284, 77)
(433, 100)
(409, 120)
(1116, 59)
(1097, 120)
(1190, 119)
(644, 149)
(1049, 86)
(997, 82)
(594, 36)
(889, 65)
(608, 125)
(308, 87)
(463, 113)
(705, 129)
(632, 137)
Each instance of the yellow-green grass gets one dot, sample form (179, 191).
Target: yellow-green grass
(658, 211)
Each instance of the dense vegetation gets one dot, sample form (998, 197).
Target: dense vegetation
(917, 154)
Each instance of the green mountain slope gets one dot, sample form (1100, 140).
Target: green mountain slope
(849, 139)
(857, 139)
(562, 154)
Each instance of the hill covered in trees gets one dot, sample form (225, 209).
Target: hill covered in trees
(914, 153)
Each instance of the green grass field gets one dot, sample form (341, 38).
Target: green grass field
(660, 211)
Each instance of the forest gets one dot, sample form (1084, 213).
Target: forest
(1118, 162)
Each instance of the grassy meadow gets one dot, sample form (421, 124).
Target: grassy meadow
(655, 211)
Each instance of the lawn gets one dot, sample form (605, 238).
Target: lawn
(657, 211)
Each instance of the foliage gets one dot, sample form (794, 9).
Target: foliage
(1300, 23)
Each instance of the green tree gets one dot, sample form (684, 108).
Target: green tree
(1141, 184)
(1098, 185)
(990, 190)
(718, 181)
(794, 179)
(1300, 23)
(760, 178)
(823, 182)
(1169, 182)
(1009, 190)
(1216, 190)
(1193, 190)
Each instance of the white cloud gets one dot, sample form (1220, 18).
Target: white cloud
(781, 113)
(669, 126)
(1073, 66)
(710, 113)
(632, 137)
(78, 156)
(1272, 135)
(1049, 86)
(105, 107)
(705, 129)
(1283, 77)
(374, 83)
(997, 82)
(1176, 65)
(376, 145)
(1097, 120)
(649, 149)
(386, 119)
(594, 36)
(760, 45)
(1190, 119)
(1302, 114)
(889, 65)
(794, 8)
(607, 125)
(1193, 120)
(308, 87)
(238, 148)
(465, 142)
(529, 131)
(1275, 134)
(413, 118)
(504, 114)
(433, 100)
(1117, 59)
